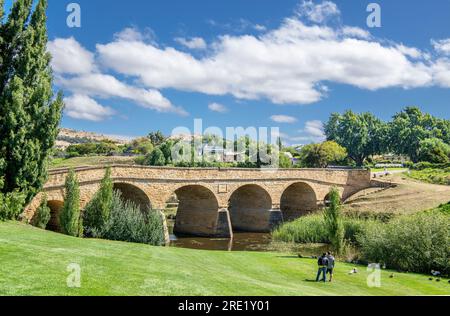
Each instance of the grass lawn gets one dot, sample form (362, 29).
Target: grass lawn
(34, 262)
(388, 169)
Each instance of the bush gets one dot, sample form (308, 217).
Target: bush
(96, 213)
(42, 215)
(434, 150)
(86, 149)
(307, 229)
(312, 229)
(128, 223)
(418, 243)
(70, 219)
(155, 158)
(11, 205)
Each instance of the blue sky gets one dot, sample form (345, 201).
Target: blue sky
(138, 73)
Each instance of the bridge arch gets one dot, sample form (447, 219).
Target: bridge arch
(55, 207)
(133, 193)
(250, 207)
(297, 200)
(197, 212)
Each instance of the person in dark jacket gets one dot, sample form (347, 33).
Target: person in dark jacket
(323, 264)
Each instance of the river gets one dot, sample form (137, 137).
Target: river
(243, 242)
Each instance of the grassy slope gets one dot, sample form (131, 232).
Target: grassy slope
(33, 262)
(408, 196)
(89, 161)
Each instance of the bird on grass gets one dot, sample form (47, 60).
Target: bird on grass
(391, 276)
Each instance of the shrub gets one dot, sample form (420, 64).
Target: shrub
(418, 243)
(42, 215)
(96, 213)
(333, 221)
(434, 150)
(312, 229)
(127, 222)
(70, 219)
(307, 229)
(155, 158)
(11, 205)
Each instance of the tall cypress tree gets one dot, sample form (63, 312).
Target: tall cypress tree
(97, 212)
(29, 113)
(70, 219)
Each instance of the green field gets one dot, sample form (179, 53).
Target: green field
(89, 161)
(34, 262)
(388, 169)
(432, 175)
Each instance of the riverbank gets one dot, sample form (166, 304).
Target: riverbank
(35, 262)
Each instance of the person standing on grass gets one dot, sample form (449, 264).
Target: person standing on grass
(331, 263)
(323, 264)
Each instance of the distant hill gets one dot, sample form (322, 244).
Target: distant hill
(69, 137)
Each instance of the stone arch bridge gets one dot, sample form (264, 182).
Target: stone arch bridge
(213, 201)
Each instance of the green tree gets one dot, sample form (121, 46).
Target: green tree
(322, 155)
(142, 146)
(157, 138)
(409, 127)
(70, 219)
(434, 150)
(97, 212)
(156, 158)
(284, 161)
(29, 113)
(333, 221)
(166, 148)
(42, 215)
(362, 135)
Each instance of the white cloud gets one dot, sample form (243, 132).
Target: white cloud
(283, 119)
(315, 129)
(132, 34)
(357, 32)
(288, 65)
(441, 72)
(318, 13)
(216, 107)
(313, 132)
(107, 86)
(442, 46)
(259, 27)
(192, 43)
(76, 71)
(409, 51)
(69, 57)
(83, 107)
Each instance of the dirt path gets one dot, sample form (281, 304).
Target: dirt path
(407, 196)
